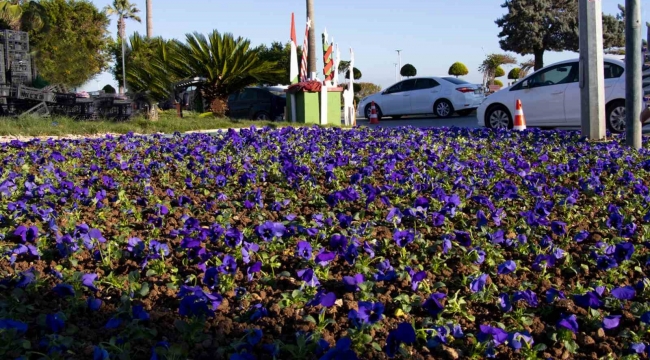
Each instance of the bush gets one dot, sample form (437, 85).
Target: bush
(357, 74)
(458, 69)
(514, 74)
(498, 82)
(109, 89)
(408, 70)
(499, 72)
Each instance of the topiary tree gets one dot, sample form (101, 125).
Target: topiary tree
(498, 82)
(514, 74)
(458, 69)
(499, 72)
(408, 70)
(109, 89)
(357, 74)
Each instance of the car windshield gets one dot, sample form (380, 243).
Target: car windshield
(278, 93)
(456, 81)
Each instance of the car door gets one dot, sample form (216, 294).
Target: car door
(243, 103)
(396, 100)
(424, 95)
(542, 94)
(572, 109)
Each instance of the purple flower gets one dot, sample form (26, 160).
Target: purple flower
(228, 265)
(403, 238)
(516, 339)
(528, 296)
(416, 278)
(211, 277)
(569, 322)
(7, 324)
(438, 219)
(339, 243)
(463, 238)
(100, 353)
(403, 334)
(623, 251)
(54, 322)
(638, 348)
(504, 302)
(551, 294)
(324, 257)
(252, 269)
(611, 321)
(323, 298)
(507, 267)
(624, 293)
(495, 335)
(581, 236)
(341, 351)
(588, 300)
(558, 228)
(351, 283)
(432, 305)
(370, 312)
(233, 237)
(270, 230)
(63, 290)
(87, 281)
(94, 304)
(308, 276)
(478, 283)
(304, 250)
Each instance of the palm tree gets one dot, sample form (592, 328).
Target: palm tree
(23, 16)
(149, 19)
(492, 63)
(227, 64)
(525, 67)
(124, 10)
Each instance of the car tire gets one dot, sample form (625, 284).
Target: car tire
(498, 117)
(443, 108)
(367, 111)
(615, 119)
(464, 112)
(262, 115)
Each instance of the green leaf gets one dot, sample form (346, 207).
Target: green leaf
(376, 347)
(144, 290)
(366, 339)
(310, 319)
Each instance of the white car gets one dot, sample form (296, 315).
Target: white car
(441, 96)
(550, 97)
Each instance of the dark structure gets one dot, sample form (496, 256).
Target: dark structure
(19, 98)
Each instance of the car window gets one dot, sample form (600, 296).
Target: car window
(263, 95)
(421, 84)
(561, 74)
(408, 85)
(456, 81)
(395, 88)
(248, 94)
(613, 71)
(233, 97)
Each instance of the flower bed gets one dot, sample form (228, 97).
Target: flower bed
(316, 243)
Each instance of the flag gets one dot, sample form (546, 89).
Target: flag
(327, 58)
(293, 72)
(303, 63)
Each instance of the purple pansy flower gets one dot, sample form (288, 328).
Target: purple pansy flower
(611, 321)
(569, 322)
(507, 267)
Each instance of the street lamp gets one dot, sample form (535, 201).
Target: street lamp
(399, 57)
(395, 72)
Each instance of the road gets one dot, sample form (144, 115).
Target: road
(469, 121)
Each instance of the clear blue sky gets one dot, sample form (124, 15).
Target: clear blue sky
(432, 34)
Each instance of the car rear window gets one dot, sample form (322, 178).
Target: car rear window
(456, 81)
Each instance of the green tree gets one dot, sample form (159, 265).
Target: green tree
(497, 82)
(536, 26)
(229, 64)
(499, 72)
(76, 47)
(489, 67)
(280, 54)
(357, 74)
(366, 89)
(525, 67)
(124, 10)
(514, 73)
(109, 89)
(23, 16)
(408, 70)
(458, 69)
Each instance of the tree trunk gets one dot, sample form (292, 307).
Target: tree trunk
(539, 59)
(149, 19)
(311, 53)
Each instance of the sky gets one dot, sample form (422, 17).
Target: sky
(432, 34)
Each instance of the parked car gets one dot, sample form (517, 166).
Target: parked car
(258, 103)
(442, 96)
(550, 97)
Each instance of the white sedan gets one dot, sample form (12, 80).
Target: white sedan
(550, 97)
(441, 96)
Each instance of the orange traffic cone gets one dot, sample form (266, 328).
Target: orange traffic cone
(520, 120)
(373, 114)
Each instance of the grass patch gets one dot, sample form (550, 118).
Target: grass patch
(167, 123)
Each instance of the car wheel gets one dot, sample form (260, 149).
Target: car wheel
(368, 111)
(464, 112)
(443, 108)
(498, 117)
(262, 115)
(616, 117)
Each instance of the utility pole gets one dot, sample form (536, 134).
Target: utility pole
(311, 54)
(399, 57)
(633, 67)
(591, 71)
(395, 72)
